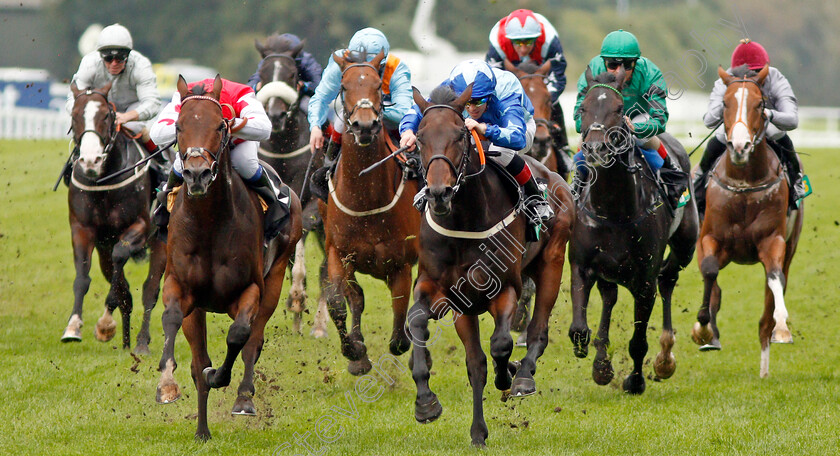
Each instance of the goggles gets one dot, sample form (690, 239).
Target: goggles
(613, 64)
(524, 41)
(477, 102)
(120, 55)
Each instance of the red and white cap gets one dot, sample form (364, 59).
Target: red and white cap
(522, 25)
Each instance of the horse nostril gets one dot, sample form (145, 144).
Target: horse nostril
(205, 175)
(188, 175)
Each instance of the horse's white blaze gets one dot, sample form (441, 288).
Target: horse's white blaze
(90, 147)
(780, 313)
(740, 134)
(765, 362)
(274, 77)
(603, 96)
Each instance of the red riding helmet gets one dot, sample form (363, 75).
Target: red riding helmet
(750, 53)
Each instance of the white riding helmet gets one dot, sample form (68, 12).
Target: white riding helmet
(114, 36)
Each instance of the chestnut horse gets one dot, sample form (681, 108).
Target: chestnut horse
(622, 229)
(287, 151)
(215, 259)
(473, 256)
(113, 217)
(747, 219)
(370, 222)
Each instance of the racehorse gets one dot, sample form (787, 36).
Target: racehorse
(472, 257)
(215, 259)
(369, 219)
(747, 220)
(622, 228)
(111, 217)
(287, 151)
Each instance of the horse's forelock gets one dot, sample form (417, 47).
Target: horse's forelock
(743, 71)
(528, 67)
(604, 78)
(442, 94)
(278, 43)
(198, 89)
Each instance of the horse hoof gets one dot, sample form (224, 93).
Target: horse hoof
(523, 387)
(244, 406)
(318, 333)
(602, 371)
(634, 384)
(212, 380)
(399, 345)
(701, 334)
(522, 340)
(711, 346)
(73, 332)
(663, 366)
(781, 336)
(513, 367)
(428, 412)
(105, 330)
(202, 436)
(359, 367)
(142, 350)
(478, 442)
(167, 394)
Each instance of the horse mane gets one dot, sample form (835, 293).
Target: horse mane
(356, 57)
(443, 94)
(743, 71)
(528, 67)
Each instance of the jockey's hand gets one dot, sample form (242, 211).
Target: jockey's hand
(123, 117)
(407, 139)
(629, 124)
(473, 124)
(316, 139)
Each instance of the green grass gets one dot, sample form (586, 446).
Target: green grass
(92, 398)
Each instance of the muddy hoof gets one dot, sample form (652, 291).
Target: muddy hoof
(202, 436)
(72, 336)
(634, 384)
(781, 336)
(602, 371)
(318, 332)
(399, 345)
(244, 406)
(142, 350)
(479, 443)
(167, 394)
(714, 345)
(105, 330)
(428, 412)
(701, 334)
(212, 378)
(359, 367)
(663, 366)
(523, 387)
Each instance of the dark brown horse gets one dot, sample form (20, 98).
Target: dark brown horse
(370, 222)
(215, 259)
(747, 220)
(112, 217)
(287, 151)
(621, 232)
(473, 255)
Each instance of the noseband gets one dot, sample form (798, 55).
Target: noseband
(199, 152)
(461, 170)
(293, 107)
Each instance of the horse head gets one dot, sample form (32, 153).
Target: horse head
(743, 112)
(277, 88)
(94, 127)
(604, 133)
(203, 135)
(361, 93)
(533, 80)
(444, 144)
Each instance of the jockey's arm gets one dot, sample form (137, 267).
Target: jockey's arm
(163, 130)
(408, 127)
(325, 93)
(785, 113)
(714, 114)
(402, 95)
(258, 125)
(511, 130)
(146, 87)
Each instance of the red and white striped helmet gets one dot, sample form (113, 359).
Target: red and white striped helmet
(522, 24)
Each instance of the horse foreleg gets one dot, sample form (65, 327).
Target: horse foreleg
(522, 316)
(427, 407)
(173, 315)
(467, 327)
(82, 248)
(602, 369)
(400, 285)
(773, 324)
(359, 363)
(195, 331)
(246, 309)
(319, 324)
(133, 241)
(501, 344)
(151, 290)
(665, 364)
(579, 332)
(296, 302)
(644, 300)
(705, 332)
(106, 327)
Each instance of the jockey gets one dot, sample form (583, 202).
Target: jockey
(309, 70)
(396, 89)
(526, 36)
(134, 89)
(645, 109)
(500, 111)
(781, 111)
(243, 155)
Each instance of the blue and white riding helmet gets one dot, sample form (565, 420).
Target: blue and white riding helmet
(476, 72)
(369, 40)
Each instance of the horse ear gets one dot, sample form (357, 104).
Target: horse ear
(104, 89)
(763, 74)
(419, 100)
(544, 68)
(217, 87)
(260, 47)
(76, 91)
(726, 77)
(510, 66)
(588, 75)
(461, 102)
(378, 59)
(298, 48)
(619, 77)
(182, 86)
(341, 60)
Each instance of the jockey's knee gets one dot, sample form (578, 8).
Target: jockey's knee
(245, 160)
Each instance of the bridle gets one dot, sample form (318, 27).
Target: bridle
(616, 151)
(292, 108)
(113, 130)
(363, 103)
(758, 136)
(460, 171)
(201, 152)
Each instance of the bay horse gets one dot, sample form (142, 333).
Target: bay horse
(370, 223)
(215, 260)
(287, 151)
(113, 218)
(622, 228)
(747, 219)
(473, 256)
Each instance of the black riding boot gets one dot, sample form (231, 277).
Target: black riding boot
(277, 213)
(787, 155)
(675, 180)
(714, 149)
(161, 213)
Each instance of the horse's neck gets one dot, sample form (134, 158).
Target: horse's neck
(757, 169)
(486, 191)
(616, 192)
